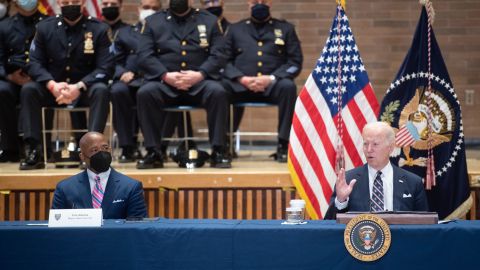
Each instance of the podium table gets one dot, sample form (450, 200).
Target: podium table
(230, 244)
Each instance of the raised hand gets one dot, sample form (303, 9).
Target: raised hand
(342, 189)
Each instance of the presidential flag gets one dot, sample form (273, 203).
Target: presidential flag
(419, 113)
(331, 110)
(92, 7)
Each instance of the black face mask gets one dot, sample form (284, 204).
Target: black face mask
(260, 12)
(179, 6)
(217, 11)
(100, 162)
(110, 13)
(71, 12)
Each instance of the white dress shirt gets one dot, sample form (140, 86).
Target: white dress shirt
(103, 179)
(387, 179)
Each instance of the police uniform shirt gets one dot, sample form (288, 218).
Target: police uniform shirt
(16, 34)
(270, 48)
(193, 42)
(64, 53)
(126, 40)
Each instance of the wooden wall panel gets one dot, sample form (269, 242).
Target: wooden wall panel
(212, 203)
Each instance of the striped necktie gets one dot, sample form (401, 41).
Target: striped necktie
(97, 194)
(376, 201)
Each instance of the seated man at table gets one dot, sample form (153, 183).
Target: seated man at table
(377, 185)
(100, 186)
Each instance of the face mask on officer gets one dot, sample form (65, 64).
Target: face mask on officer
(27, 5)
(217, 11)
(110, 13)
(179, 6)
(3, 10)
(100, 161)
(71, 12)
(144, 13)
(260, 12)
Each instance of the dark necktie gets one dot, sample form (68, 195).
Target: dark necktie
(376, 201)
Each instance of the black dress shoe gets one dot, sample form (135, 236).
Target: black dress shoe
(9, 156)
(281, 155)
(33, 161)
(220, 160)
(152, 160)
(129, 154)
(126, 156)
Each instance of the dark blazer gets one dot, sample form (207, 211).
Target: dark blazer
(126, 39)
(408, 192)
(85, 55)
(123, 195)
(16, 34)
(272, 48)
(169, 44)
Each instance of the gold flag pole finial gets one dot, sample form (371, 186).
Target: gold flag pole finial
(343, 3)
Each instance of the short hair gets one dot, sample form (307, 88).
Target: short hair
(387, 130)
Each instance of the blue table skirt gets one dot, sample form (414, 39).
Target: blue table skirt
(230, 244)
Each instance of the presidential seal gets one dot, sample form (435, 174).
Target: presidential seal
(367, 237)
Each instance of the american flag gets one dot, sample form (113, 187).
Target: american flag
(50, 7)
(314, 136)
(407, 135)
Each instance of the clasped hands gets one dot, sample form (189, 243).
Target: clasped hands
(342, 189)
(63, 92)
(183, 80)
(255, 83)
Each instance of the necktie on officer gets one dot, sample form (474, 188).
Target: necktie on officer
(97, 194)
(377, 200)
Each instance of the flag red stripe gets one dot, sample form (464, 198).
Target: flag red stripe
(307, 147)
(317, 119)
(97, 9)
(372, 99)
(350, 146)
(306, 186)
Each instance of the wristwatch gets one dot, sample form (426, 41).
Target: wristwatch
(272, 78)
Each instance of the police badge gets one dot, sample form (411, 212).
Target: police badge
(202, 35)
(278, 37)
(88, 44)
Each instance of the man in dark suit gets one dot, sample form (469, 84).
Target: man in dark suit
(127, 77)
(181, 52)
(265, 57)
(378, 185)
(70, 63)
(16, 34)
(100, 186)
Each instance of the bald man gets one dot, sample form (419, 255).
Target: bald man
(377, 185)
(100, 186)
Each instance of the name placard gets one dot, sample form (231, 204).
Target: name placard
(75, 218)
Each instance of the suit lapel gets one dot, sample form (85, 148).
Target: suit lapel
(110, 191)
(397, 190)
(85, 192)
(364, 188)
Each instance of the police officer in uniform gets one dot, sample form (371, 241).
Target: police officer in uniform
(265, 57)
(71, 63)
(216, 8)
(16, 34)
(181, 52)
(175, 119)
(127, 77)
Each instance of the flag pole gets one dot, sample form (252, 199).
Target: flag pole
(339, 149)
(430, 174)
